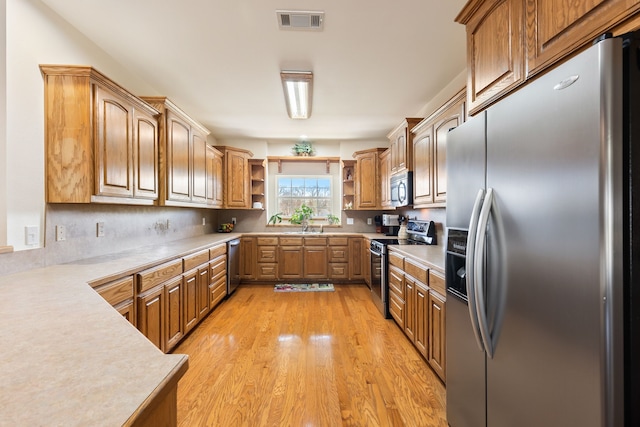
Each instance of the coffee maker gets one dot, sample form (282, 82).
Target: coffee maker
(390, 224)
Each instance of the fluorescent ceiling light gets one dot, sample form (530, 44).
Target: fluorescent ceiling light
(298, 93)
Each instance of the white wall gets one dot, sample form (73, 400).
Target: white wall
(3, 126)
(36, 35)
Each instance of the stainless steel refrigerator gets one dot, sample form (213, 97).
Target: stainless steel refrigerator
(542, 308)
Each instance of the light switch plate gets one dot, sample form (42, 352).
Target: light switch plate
(349, 221)
(31, 234)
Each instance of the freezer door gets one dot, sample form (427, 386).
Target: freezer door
(465, 169)
(550, 154)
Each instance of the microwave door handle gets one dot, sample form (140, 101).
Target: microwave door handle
(469, 264)
(402, 191)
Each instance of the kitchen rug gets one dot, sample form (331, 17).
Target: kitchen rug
(304, 287)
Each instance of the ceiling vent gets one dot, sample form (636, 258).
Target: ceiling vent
(300, 20)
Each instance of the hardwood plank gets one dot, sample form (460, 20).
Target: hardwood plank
(324, 358)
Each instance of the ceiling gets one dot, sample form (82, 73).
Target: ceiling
(220, 60)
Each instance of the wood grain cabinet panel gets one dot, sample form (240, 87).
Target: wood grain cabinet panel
(190, 304)
(215, 179)
(237, 178)
(422, 319)
(385, 179)
(437, 334)
(183, 156)
(367, 179)
(356, 258)
(217, 278)
(430, 152)
(555, 28)
(172, 314)
(315, 262)
(151, 316)
(401, 145)
(100, 140)
(495, 51)
(119, 294)
(291, 261)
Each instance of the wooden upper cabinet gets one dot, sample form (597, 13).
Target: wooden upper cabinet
(100, 140)
(495, 53)
(182, 152)
(215, 180)
(430, 152)
(510, 41)
(367, 177)
(385, 179)
(401, 145)
(237, 178)
(560, 27)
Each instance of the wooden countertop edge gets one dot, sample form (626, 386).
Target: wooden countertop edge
(159, 393)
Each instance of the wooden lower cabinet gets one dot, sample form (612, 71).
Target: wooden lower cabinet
(247, 258)
(357, 266)
(418, 307)
(315, 258)
(119, 294)
(437, 334)
(290, 260)
(267, 258)
(217, 279)
(190, 284)
(150, 316)
(174, 330)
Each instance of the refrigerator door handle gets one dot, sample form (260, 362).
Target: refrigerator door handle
(469, 267)
(478, 266)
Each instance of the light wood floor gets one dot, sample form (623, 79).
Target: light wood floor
(305, 359)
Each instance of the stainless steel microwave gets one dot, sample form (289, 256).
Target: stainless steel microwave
(402, 189)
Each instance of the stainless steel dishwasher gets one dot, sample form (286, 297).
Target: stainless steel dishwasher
(233, 265)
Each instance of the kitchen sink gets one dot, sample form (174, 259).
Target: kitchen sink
(302, 232)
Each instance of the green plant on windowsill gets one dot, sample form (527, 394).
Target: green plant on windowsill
(275, 218)
(332, 219)
(301, 214)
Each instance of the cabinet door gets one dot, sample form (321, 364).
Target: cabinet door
(127, 310)
(290, 262)
(145, 142)
(437, 334)
(237, 180)
(367, 181)
(356, 259)
(150, 315)
(248, 258)
(217, 280)
(114, 148)
(422, 186)
(399, 153)
(178, 154)
(215, 179)
(190, 304)
(422, 318)
(203, 291)
(495, 54)
(174, 330)
(557, 28)
(385, 176)
(452, 117)
(315, 262)
(410, 316)
(199, 177)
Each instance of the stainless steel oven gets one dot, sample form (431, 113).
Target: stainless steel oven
(420, 233)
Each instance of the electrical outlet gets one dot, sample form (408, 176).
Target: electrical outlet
(349, 221)
(233, 220)
(100, 229)
(61, 233)
(204, 221)
(31, 234)
(369, 222)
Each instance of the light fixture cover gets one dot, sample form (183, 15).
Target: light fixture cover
(298, 93)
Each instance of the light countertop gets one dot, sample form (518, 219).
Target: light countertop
(70, 359)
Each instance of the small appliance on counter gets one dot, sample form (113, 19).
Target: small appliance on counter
(390, 224)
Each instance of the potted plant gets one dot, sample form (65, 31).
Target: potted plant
(301, 216)
(275, 218)
(303, 148)
(332, 219)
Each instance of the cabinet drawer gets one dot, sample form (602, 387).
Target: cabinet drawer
(217, 291)
(338, 254)
(195, 260)
(338, 271)
(315, 241)
(396, 309)
(290, 241)
(116, 292)
(396, 282)
(267, 253)
(397, 260)
(269, 241)
(416, 270)
(338, 241)
(268, 271)
(149, 278)
(217, 250)
(437, 282)
(218, 267)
